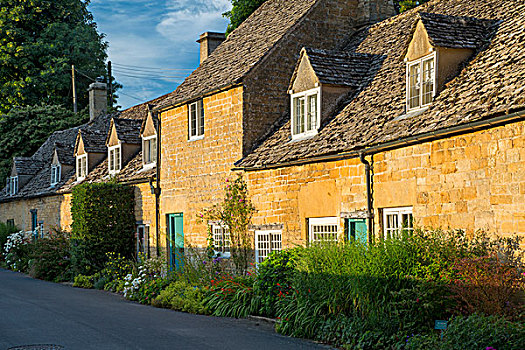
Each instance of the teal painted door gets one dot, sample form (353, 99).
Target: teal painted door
(176, 240)
(357, 230)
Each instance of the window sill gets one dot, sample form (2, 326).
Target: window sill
(412, 113)
(195, 138)
(301, 137)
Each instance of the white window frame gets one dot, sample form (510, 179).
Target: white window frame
(154, 159)
(304, 95)
(56, 174)
(145, 228)
(326, 221)
(112, 166)
(392, 232)
(266, 242)
(82, 167)
(223, 247)
(13, 185)
(200, 116)
(419, 62)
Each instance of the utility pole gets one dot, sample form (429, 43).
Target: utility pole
(74, 89)
(110, 84)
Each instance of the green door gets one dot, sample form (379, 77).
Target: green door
(176, 240)
(356, 229)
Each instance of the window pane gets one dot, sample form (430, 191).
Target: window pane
(153, 157)
(201, 118)
(428, 81)
(302, 115)
(297, 116)
(414, 86)
(147, 154)
(193, 119)
(312, 112)
(117, 159)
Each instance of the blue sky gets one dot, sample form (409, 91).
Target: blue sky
(155, 34)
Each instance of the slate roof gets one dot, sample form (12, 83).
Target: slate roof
(455, 31)
(492, 82)
(94, 140)
(128, 130)
(27, 166)
(65, 153)
(243, 49)
(340, 68)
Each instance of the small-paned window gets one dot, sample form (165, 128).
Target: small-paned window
(306, 113)
(322, 230)
(10, 222)
(221, 239)
(114, 159)
(82, 166)
(55, 174)
(150, 150)
(196, 120)
(397, 220)
(265, 243)
(421, 82)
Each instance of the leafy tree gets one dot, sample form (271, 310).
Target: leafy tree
(39, 41)
(24, 129)
(242, 9)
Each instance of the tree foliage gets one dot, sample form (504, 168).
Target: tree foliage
(242, 9)
(103, 222)
(24, 129)
(39, 41)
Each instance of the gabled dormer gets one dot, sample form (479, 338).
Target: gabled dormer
(22, 171)
(148, 133)
(63, 162)
(123, 142)
(438, 48)
(320, 80)
(90, 150)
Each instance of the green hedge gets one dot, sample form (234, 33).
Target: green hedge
(103, 221)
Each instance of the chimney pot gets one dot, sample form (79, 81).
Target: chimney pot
(98, 99)
(209, 42)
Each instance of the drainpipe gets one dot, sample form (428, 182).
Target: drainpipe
(369, 209)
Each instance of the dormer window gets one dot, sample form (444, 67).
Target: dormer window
(55, 174)
(82, 166)
(306, 111)
(196, 120)
(421, 82)
(114, 157)
(149, 150)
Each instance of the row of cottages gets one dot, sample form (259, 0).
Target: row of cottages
(345, 121)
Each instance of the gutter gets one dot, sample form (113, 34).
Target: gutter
(403, 142)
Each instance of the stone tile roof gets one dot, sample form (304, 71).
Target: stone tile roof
(455, 31)
(65, 153)
(128, 130)
(242, 50)
(492, 81)
(341, 68)
(27, 165)
(94, 140)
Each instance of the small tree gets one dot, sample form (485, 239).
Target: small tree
(235, 212)
(103, 221)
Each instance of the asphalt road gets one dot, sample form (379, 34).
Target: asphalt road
(38, 312)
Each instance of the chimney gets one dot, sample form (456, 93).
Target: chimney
(209, 42)
(98, 98)
(373, 11)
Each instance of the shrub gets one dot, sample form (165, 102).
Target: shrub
(17, 250)
(474, 332)
(274, 278)
(111, 277)
(182, 296)
(5, 231)
(146, 281)
(487, 285)
(50, 258)
(103, 221)
(82, 281)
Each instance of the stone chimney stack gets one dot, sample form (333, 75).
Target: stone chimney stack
(98, 98)
(209, 42)
(373, 11)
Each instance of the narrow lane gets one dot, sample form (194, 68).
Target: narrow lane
(39, 312)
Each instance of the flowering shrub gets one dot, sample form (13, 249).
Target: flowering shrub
(50, 258)
(235, 212)
(182, 296)
(111, 277)
(147, 281)
(230, 296)
(16, 251)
